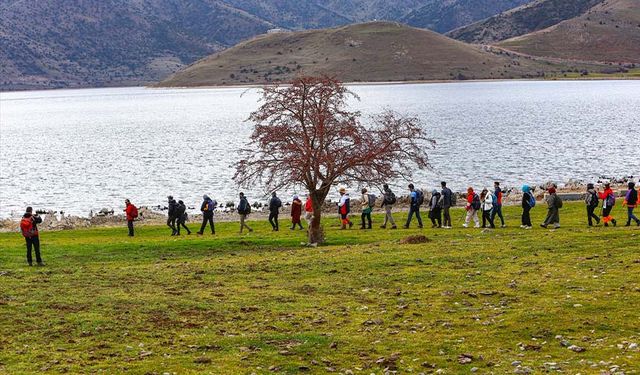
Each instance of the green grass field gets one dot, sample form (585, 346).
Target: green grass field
(500, 301)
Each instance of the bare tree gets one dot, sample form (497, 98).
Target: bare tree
(305, 136)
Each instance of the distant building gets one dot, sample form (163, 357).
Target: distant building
(277, 30)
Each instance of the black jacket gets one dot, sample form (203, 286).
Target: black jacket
(447, 194)
(274, 205)
(180, 210)
(173, 205)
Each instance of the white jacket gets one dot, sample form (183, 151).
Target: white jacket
(487, 203)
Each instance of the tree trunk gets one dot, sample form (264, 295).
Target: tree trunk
(316, 233)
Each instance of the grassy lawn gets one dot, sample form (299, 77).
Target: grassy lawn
(498, 301)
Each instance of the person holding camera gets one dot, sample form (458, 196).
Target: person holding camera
(29, 228)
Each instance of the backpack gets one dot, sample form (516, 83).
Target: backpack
(611, 200)
(390, 198)
(211, 205)
(593, 199)
(372, 200)
(419, 197)
(532, 200)
(558, 202)
(494, 199)
(27, 227)
(134, 211)
(475, 203)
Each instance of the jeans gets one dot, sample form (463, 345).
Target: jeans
(497, 210)
(414, 210)
(487, 216)
(130, 226)
(33, 242)
(273, 220)
(207, 217)
(591, 215)
(387, 216)
(631, 216)
(447, 217)
(526, 216)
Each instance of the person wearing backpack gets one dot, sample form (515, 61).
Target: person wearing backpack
(181, 217)
(608, 201)
(554, 204)
(416, 197)
(447, 203)
(497, 203)
(388, 200)
(488, 205)
(131, 212)
(472, 207)
(367, 208)
(631, 201)
(528, 202)
(274, 210)
(435, 209)
(344, 208)
(296, 213)
(29, 228)
(308, 210)
(591, 200)
(207, 207)
(171, 219)
(244, 209)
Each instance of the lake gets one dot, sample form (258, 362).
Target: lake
(82, 150)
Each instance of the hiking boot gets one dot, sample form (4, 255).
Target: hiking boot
(395, 227)
(383, 227)
(369, 227)
(638, 223)
(543, 225)
(350, 224)
(420, 226)
(199, 233)
(606, 224)
(405, 226)
(362, 227)
(40, 264)
(343, 227)
(614, 222)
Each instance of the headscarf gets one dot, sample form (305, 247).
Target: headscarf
(526, 189)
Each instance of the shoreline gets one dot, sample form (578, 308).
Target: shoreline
(358, 83)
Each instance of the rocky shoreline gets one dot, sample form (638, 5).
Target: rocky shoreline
(573, 190)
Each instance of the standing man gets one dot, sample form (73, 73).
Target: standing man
(207, 208)
(308, 210)
(344, 207)
(497, 204)
(274, 209)
(388, 200)
(244, 209)
(447, 203)
(29, 228)
(181, 215)
(131, 212)
(171, 219)
(417, 198)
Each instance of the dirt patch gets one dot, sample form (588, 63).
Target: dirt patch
(412, 240)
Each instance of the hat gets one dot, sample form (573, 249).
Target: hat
(342, 190)
(170, 196)
(295, 197)
(205, 197)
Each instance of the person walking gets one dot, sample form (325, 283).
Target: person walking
(416, 197)
(296, 213)
(554, 204)
(388, 200)
(608, 201)
(435, 209)
(131, 212)
(497, 204)
(591, 200)
(274, 210)
(181, 217)
(244, 209)
(207, 207)
(344, 208)
(365, 204)
(171, 219)
(631, 201)
(472, 208)
(528, 202)
(308, 210)
(447, 203)
(29, 229)
(488, 200)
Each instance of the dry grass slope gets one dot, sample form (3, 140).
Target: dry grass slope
(370, 52)
(608, 32)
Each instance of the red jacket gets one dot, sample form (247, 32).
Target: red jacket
(605, 193)
(308, 205)
(130, 211)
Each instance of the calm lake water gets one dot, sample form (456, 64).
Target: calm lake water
(82, 150)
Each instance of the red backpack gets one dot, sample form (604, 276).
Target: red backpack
(27, 227)
(134, 211)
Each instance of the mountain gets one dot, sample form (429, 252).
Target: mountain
(446, 15)
(92, 43)
(527, 18)
(376, 51)
(608, 32)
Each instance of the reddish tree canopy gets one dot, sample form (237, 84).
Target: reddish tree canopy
(304, 135)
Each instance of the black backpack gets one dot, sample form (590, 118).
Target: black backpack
(594, 199)
(419, 197)
(390, 198)
(475, 203)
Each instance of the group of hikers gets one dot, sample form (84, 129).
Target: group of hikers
(488, 205)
